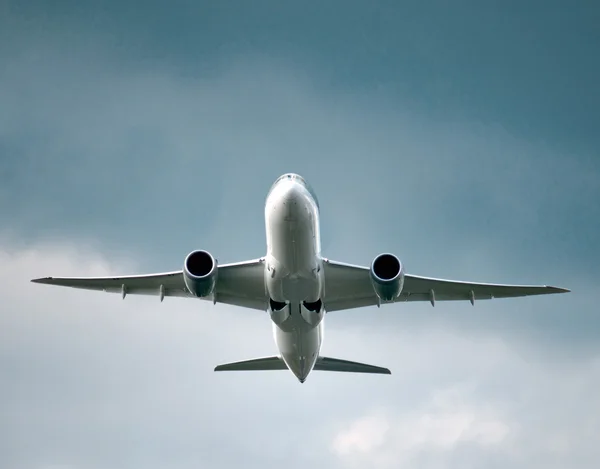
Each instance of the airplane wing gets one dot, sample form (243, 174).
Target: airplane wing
(348, 286)
(240, 284)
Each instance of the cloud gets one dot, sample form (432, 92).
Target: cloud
(185, 157)
(446, 422)
(364, 435)
(93, 381)
(116, 163)
(494, 410)
(90, 380)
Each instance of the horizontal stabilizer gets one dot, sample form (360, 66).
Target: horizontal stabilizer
(322, 364)
(346, 366)
(254, 364)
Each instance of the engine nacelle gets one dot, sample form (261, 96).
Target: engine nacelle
(200, 273)
(387, 276)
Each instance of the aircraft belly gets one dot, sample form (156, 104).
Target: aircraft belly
(293, 244)
(294, 275)
(292, 261)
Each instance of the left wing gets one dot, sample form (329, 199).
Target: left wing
(239, 284)
(349, 286)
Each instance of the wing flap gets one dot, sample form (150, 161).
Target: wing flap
(347, 366)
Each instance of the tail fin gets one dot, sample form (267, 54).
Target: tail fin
(323, 364)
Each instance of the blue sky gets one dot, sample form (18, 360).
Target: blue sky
(462, 137)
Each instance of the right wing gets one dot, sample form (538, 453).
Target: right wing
(349, 286)
(239, 284)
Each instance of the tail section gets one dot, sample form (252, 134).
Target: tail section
(322, 364)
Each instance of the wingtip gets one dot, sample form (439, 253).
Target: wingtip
(41, 280)
(559, 289)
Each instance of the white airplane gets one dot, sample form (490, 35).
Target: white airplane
(296, 285)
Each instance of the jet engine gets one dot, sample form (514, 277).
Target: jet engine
(200, 273)
(387, 276)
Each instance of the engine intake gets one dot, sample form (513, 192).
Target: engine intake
(387, 276)
(200, 273)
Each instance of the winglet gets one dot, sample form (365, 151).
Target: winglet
(47, 280)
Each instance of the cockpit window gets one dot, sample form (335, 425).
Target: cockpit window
(309, 189)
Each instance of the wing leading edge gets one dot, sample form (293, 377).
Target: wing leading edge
(239, 284)
(349, 286)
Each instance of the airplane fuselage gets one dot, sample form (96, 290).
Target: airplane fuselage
(294, 274)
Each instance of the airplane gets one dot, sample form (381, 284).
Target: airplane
(296, 286)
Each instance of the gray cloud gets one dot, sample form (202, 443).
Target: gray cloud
(92, 381)
(527, 68)
(112, 160)
(139, 160)
(79, 138)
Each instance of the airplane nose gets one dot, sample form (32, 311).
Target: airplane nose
(291, 200)
(291, 192)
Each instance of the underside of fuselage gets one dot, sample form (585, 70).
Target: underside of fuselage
(294, 274)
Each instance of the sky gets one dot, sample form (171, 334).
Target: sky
(462, 137)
